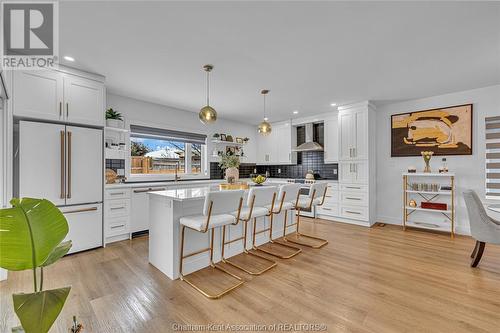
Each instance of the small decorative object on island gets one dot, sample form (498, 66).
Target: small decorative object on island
(33, 231)
(230, 163)
(412, 203)
(114, 119)
(259, 180)
(207, 114)
(427, 155)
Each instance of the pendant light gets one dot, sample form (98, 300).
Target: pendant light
(264, 127)
(207, 114)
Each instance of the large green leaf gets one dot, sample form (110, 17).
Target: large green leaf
(29, 232)
(38, 311)
(59, 252)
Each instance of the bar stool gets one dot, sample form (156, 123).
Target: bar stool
(316, 197)
(287, 200)
(258, 198)
(217, 212)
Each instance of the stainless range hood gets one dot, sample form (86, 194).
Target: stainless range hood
(309, 145)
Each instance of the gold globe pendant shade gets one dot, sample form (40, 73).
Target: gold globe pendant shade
(207, 114)
(264, 127)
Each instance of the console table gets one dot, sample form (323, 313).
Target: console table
(429, 195)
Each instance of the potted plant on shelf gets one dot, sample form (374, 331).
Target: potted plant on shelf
(114, 118)
(230, 163)
(33, 231)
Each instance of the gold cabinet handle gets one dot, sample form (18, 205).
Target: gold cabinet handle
(116, 208)
(63, 195)
(326, 208)
(117, 193)
(351, 198)
(351, 212)
(117, 226)
(80, 210)
(68, 195)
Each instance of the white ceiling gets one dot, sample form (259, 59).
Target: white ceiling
(309, 54)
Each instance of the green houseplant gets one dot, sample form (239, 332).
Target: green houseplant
(32, 237)
(230, 163)
(114, 118)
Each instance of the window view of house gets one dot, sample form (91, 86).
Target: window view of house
(159, 156)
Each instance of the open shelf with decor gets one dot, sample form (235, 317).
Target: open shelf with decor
(428, 188)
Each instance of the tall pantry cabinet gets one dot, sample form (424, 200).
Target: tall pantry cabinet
(357, 163)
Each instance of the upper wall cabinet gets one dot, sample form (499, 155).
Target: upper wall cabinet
(331, 143)
(353, 134)
(58, 96)
(276, 148)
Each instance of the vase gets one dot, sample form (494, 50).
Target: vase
(116, 123)
(232, 173)
(427, 168)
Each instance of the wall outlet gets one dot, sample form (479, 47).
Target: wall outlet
(335, 171)
(279, 170)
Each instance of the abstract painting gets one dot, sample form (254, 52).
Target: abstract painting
(445, 131)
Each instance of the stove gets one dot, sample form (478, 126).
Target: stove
(301, 181)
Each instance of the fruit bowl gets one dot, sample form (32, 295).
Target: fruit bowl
(259, 179)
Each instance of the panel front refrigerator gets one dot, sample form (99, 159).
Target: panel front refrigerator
(63, 164)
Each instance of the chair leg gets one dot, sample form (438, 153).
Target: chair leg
(473, 254)
(212, 265)
(479, 253)
(321, 242)
(245, 269)
(262, 248)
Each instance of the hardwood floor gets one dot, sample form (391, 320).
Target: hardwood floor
(365, 280)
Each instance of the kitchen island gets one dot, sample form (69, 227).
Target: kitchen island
(167, 207)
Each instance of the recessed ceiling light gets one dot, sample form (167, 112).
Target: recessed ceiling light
(333, 104)
(69, 58)
(295, 112)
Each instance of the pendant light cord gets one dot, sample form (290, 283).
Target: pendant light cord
(208, 88)
(264, 106)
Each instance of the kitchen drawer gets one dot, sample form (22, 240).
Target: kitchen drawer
(353, 188)
(333, 186)
(117, 193)
(331, 210)
(354, 212)
(354, 198)
(117, 208)
(332, 196)
(117, 226)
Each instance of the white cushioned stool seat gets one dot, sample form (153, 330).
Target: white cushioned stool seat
(305, 201)
(256, 212)
(286, 206)
(198, 222)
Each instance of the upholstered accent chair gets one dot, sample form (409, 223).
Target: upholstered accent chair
(484, 229)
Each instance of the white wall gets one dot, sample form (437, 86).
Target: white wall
(470, 170)
(155, 115)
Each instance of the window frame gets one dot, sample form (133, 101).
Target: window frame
(204, 174)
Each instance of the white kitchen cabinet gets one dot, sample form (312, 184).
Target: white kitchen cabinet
(353, 172)
(139, 217)
(276, 148)
(117, 209)
(353, 128)
(38, 94)
(83, 145)
(42, 147)
(83, 101)
(58, 96)
(85, 226)
(331, 140)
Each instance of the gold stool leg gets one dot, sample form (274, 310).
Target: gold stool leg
(245, 269)
(199, 288)
(262, 248)
(297, 235)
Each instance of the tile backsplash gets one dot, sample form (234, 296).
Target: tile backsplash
(311, 160)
